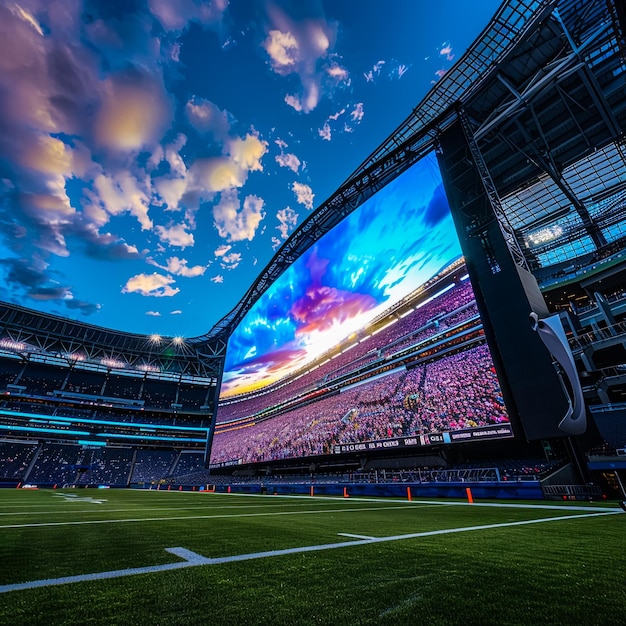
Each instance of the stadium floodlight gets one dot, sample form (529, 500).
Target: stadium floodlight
(9, 344)
(113, 363)
(146, 367)
(155, 338)
(179, 341)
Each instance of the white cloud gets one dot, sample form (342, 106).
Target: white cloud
(302, 47)
(222, 250)
(288, 160)
(153, 313)
(247, 152)
(121, 193)
(293, 102)
(337, 72)
(173, 158)
(231, 260)
(374, 73)
(217, 279)
(133, 114)
(27, 17)
(357, 113)
(212, 175)
(391, 70)
(446, 51)
(176, 312)
(154, 284)
(176, 15)
(179, 267)
(171, 191)
(283, 50)
(207, 177)
(276, 243)
(336, 116)
(304, 194)
(288, 219)
(175, 235)
(324, 132)
(205, 116)
(236, 223)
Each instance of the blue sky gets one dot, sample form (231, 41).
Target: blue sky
(154, 154)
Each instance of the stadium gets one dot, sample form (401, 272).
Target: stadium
(415, 414)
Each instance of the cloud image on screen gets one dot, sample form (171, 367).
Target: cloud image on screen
(337, 352)
(394, 242)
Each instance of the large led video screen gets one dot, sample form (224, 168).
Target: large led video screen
(371, 339)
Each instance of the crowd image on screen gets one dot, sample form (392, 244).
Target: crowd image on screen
(452, 393)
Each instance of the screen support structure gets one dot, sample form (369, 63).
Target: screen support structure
(490, 190)
(506, 292)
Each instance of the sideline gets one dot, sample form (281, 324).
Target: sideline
(221, 516)
(192, 559)
(442, 502)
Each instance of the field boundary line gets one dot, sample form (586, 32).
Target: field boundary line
(190, 517)
(152, 508)
(338, 498)
(192, 559)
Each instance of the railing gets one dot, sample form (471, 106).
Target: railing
(610, 332)
(572, 492)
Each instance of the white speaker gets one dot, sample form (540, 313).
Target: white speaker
(551, 332)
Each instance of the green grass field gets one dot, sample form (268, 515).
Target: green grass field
(306, 560)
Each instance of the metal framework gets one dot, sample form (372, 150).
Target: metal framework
(50, 338)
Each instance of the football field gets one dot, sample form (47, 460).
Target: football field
(93, 556)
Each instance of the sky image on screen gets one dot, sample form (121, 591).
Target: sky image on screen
(397, 240)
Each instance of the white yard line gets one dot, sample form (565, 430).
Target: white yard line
(192, 559)
(190, 517)
(355, 536)
(161, 508)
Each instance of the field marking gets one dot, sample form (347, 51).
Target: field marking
(189, 556)
(131, 509)
(72, 497)
(447, 502)
(398, 504)
(190, 517)
(355, 536)
(338, 498)
(193, 559)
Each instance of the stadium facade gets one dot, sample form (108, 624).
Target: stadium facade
(527, 136)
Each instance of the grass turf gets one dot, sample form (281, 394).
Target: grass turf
(565, 571)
